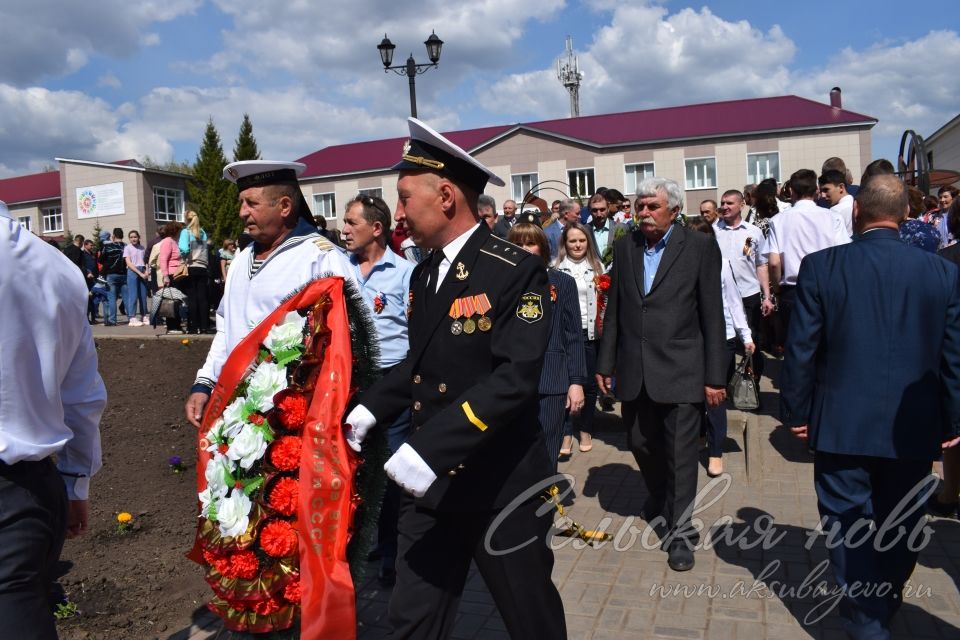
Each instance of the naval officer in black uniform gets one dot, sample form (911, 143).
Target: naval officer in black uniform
(478, 331)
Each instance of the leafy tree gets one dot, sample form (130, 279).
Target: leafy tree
(172, 165)
(246, 145)
(212, 197)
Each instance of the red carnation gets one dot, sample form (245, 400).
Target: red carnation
(291, 409)
(285, 453)
(284, 496)
(219, 562)
(244, 564)
(291, 592)
(278, 539)
(603, 282)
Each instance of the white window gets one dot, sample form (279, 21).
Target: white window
(635, 173)
(26, 222)
(701, 173)
(522, 183)
(52, 219)
(167, 204)
(581, 182)
(372, 193)
(761, 166)
(325, 204)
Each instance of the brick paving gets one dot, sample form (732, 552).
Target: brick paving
(613, 592)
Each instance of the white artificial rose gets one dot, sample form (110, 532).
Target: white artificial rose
(232, 417)
(248, 447)
(286, 336)
(233, 513)
(268, 380)
(215, 474)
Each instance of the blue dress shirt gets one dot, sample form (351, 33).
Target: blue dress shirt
(651, 260)
(390, 280)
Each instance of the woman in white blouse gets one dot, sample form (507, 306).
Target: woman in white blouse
(577, 256)
(736, 326)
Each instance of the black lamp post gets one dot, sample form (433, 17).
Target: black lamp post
(411, 69)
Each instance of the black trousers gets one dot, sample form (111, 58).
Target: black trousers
(198, 306)
(788, 300)
(751, 308)
(663, 440)
(435, 553)
(33, 516)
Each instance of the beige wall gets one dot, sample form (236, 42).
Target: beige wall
(74, 176)
(946, 150)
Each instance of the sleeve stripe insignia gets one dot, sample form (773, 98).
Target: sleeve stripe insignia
(530, 307)
(472, 417)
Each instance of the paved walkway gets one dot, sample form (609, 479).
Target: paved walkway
(614, 591)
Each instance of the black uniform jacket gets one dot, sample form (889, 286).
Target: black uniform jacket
(474, 395)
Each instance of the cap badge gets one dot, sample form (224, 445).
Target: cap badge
(233, 173)
(406, 147)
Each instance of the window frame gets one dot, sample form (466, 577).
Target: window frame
(533, 182)
(696, 188)
(758, 179)
(317, 197)
(593, 173)
(179, 198)
(370, 192)
(29, 222)
(46, 216)
(633, 192)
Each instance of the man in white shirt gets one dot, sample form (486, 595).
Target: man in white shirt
(286, 253)
(795, 233)
(740, 244)
(51, 400)
(833, 188)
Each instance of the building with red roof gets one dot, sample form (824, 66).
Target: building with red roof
(707, 148)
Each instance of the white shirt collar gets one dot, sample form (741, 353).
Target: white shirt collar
(452, 248)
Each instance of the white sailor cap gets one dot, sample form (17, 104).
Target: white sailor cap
(261, 173)
(427, 150)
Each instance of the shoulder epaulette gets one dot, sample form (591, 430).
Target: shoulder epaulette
(503, 250)
(323, 244)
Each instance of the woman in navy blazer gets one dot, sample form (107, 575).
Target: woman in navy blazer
(564, 370)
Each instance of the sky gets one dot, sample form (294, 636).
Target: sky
(108, 80)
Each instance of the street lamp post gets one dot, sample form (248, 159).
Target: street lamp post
(411, 69)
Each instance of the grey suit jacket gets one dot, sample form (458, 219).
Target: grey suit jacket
(672, 340)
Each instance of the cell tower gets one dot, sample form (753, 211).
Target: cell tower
(568, 72)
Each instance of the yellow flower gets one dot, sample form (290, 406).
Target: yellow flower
(123, 517)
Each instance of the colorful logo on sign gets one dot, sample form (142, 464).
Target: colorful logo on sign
(87, 202)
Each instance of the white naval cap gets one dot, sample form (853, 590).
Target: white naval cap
(261, 173)
(428, 150)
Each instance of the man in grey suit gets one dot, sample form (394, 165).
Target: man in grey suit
(664, 341)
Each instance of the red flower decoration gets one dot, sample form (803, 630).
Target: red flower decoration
(291, 407)
(256, 418)
(291, 592)
(284, 496)
(553, 293)
(284, 454)
(603, 282)
(278, 539)
(219, 562)
(266, 607)
(244, 564)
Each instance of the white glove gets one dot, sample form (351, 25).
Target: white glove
(409, 470)
(356, 426)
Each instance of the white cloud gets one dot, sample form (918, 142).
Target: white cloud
(109, 80)
(51, 38)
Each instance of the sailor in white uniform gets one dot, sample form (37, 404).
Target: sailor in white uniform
(287, 252)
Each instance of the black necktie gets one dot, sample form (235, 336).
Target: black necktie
(433, 271)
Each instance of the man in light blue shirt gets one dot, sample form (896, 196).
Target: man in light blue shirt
(651, 260)
(384, 279)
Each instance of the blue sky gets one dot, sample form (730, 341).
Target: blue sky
(111, 79)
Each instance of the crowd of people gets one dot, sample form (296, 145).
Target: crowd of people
(501, 335)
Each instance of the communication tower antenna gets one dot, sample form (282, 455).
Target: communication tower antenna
(568, 72)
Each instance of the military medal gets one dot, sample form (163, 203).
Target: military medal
(483, 305)
(456, 328)
(469, 326)
(469, 307)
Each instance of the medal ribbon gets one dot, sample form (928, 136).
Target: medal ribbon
(469, 307)
(483, 304)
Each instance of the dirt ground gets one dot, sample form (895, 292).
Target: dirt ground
(139, 585)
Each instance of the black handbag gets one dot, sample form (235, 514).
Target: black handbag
(742, 388)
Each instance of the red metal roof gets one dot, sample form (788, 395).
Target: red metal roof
(30, 188)
(689, 122)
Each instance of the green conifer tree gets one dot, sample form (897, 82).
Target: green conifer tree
(212, 197)
(246, 145)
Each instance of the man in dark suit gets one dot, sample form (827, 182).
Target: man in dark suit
(664, 341)
(871, 379)
(479, 318)
(569, 212)
(507, 220)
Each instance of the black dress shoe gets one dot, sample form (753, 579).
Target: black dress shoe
(680, 556)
